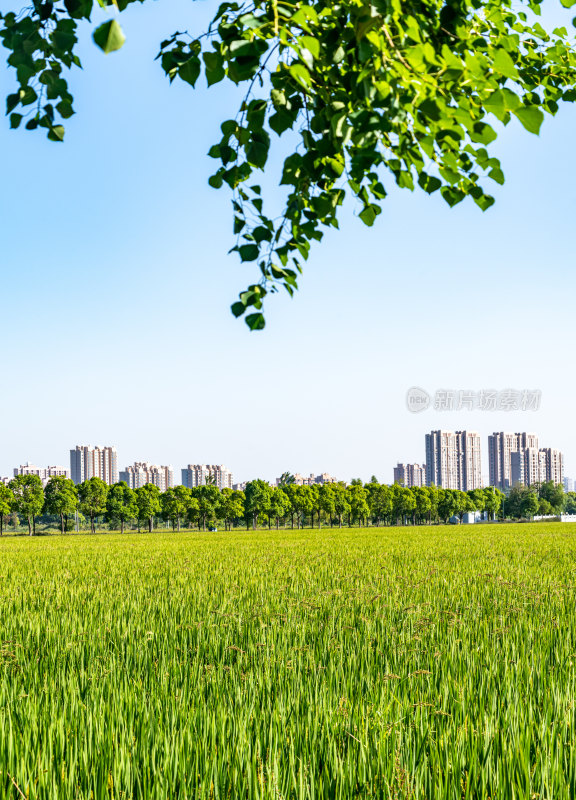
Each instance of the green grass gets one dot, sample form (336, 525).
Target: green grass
(420, 663)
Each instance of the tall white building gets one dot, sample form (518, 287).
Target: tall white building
(142, 472)
(94, 462)
(201, 474)
(44, 473)
(453, 460)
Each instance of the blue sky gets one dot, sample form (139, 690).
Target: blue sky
(116, 287)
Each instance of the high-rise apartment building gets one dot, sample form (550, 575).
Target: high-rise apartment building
(44, 473)
(516, 458)
(469, 460)
(94, 462)
(142, 472)
(201, 474)
(568, 484)
(453, 460)
(410, 475)
(554, 465)
(501, 445)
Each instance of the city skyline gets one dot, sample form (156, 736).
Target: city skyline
(397, 472)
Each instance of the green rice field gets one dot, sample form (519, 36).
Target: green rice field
(431, 662)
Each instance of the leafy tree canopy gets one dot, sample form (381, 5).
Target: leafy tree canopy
(362, 92)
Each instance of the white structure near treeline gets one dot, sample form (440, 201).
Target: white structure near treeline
(142, 472)
(311, 480)
(202, 474)
(44, 473)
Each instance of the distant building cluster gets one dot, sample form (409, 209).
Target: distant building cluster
(44, 473)
(517, 458)
(202, 474)
(453, 461)
(410, 475)
(142, 472)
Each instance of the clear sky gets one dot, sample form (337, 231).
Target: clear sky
(116, 285)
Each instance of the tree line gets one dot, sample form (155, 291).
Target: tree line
(119, 506)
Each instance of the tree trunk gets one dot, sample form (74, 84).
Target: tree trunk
(269, 522)
(34, 524)
(339, 520)
(292, 518)
(62, 523)
(277, 524)
(178, 518)
(122, 525)
(149, 524)
(1, 525)
(29, 527)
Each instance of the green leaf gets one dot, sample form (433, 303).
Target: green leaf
(214, 67)
(109, 36)
(301, 75)
(369, 213)
(190, 70)
(11, 102)
(79, 8)
(257, 150)
(311, 44)
(15, 120)
(256, 322)
(249, 252)
(504, 65)
(484, 201)
(64, 108)
(216, 180)
(429, 182)
(56, 134)
(497, 175)
(238, 309)
(531, 118)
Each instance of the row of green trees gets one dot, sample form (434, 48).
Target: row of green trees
(333, 503)
(541, 498)
(205, 506)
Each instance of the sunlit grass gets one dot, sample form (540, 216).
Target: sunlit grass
(419, 663)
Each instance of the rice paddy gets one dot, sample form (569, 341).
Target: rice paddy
(385, 663)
